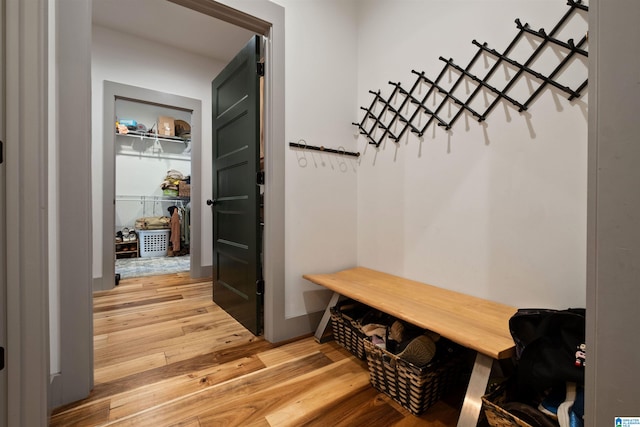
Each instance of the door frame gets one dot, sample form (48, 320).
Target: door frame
(3, 266)
(113, 91)
(71, 297)
(25, 216)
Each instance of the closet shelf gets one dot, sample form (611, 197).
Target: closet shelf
(138, 135)
(134, 198)
(153, 205)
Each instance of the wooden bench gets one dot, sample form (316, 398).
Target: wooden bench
(473, 322)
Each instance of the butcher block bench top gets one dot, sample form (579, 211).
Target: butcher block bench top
(473, 322)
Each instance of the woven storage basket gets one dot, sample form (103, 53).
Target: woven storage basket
(347, 332)
(184, 189)
(414, 387)
(496, 415)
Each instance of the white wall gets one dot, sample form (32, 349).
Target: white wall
(496, 210)
(138, 176)
(133, 61)
(320, 189)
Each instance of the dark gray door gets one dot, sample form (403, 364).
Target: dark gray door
(236, 228)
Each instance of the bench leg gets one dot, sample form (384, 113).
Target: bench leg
(326, 317)
(477, 387)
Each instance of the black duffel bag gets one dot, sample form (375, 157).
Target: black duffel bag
(550, 347)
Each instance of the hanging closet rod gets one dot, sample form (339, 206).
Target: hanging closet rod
(163, 156)
(306, 146)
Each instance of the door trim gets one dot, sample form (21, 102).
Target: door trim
(113, 90)
(73, 322)
(3, 266)
(232, 15)
(27, 351)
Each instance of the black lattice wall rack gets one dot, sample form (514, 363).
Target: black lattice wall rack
(382, 118)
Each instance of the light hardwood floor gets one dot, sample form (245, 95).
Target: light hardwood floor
(166, 355)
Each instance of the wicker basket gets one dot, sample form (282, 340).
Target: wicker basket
(415, 388)
(496, 415)
(347, 332)
(184, 189)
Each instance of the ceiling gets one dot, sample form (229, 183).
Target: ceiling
(168, 23)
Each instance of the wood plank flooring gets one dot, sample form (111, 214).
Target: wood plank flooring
(166, 355)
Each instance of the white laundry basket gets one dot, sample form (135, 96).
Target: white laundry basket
(153, 242)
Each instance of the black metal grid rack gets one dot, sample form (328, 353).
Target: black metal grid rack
(382, 117)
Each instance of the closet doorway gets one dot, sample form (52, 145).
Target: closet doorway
(152, 189)
(148, 225)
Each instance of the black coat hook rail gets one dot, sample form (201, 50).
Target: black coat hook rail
(382, 119)
(323, 149)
